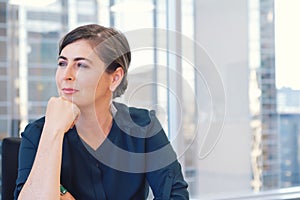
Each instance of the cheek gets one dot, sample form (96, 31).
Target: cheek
(88, 83)
(58, 84)
(104, 82)
(57, 77)
(101, 86)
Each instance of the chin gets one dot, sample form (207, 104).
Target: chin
(69, 98)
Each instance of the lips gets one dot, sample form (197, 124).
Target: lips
(69, 90)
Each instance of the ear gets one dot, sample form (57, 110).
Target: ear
(116, 78)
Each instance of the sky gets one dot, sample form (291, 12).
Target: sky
(287, 43)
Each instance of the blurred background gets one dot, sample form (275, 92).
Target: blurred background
(223, 77)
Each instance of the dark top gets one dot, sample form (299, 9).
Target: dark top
(135, 154)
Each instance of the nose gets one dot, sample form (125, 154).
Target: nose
(69, 73)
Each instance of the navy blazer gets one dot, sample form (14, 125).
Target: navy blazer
(135, 155)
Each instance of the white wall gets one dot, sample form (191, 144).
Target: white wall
(222, 29)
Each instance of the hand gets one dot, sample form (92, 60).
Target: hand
(61, 114)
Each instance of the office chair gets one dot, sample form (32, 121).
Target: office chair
(10, 152)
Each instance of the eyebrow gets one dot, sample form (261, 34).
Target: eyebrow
(75, 59)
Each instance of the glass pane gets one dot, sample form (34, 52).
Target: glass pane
(3, 128)
(43, 35)
(3, 71)
(3, 89)
(44, 16)
(258, 148)
(2, 31)
(42, 71)
(41, 90)
(3, 110)
(37, 111)
(3, 50)
(43, 52)
(2, 12)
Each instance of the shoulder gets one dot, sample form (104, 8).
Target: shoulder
(34, 130)
(138, 122)
(140, 116)
(35, 125)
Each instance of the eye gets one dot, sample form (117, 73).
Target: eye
(62, 63)
(82, 65)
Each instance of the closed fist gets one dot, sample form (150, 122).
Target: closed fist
(61, 114)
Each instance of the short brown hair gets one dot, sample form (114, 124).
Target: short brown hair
(110, 45)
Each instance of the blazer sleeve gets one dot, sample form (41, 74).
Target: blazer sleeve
(164, 173)
(27, 152)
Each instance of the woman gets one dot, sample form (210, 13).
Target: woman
(87, 146)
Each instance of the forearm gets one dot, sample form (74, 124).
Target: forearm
(44, 179)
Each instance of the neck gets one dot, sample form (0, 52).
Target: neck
(95, 120)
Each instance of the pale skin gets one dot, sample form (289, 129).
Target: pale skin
(85, 94)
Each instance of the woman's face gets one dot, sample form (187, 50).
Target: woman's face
(81, 76)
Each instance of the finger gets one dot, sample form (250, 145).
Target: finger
(74, 122)
(76, 111)
(63, 98)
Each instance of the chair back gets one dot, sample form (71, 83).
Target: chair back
(10, 152)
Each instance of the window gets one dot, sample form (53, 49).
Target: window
(221, 90)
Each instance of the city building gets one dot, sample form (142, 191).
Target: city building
(265, 158)
(288, 100)
(289, 123)
(289, 149)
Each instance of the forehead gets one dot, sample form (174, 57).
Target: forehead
(79, 48)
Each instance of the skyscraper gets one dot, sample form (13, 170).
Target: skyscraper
(289, 122)
(265, 148)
